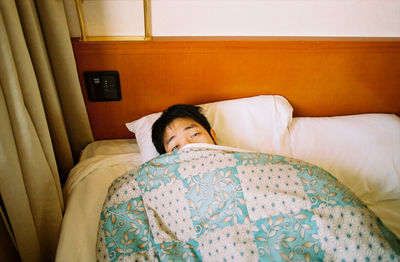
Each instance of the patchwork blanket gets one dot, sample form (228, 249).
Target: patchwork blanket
(214, 204)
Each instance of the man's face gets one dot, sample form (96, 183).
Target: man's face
(183, 131)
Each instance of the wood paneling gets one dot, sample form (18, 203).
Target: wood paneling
(319, 76)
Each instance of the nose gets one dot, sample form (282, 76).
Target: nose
(185, 141)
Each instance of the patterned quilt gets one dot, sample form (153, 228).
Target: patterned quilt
(213, 204)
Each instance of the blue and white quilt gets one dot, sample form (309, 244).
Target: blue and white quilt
(214, 204)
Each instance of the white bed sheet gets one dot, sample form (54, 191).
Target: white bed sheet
(84, 194)
(361, 151)
(110, 147)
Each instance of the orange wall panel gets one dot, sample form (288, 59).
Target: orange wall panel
(319, 77)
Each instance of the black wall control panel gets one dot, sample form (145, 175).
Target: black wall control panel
(103, 85)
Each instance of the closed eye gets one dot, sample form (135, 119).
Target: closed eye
(196, 134)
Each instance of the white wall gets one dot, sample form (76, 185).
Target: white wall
(369, 18)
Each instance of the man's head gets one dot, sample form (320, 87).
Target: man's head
(180, 125)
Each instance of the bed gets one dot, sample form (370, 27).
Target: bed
(331, 103)
(361, 152)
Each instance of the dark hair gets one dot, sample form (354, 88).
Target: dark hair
(172, 113)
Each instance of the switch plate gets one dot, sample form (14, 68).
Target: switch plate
(102, 85)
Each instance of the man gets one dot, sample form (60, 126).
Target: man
(180, 125)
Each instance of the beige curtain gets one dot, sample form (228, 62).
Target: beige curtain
(43, 122)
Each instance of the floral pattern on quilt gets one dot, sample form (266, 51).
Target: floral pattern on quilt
(211, 204)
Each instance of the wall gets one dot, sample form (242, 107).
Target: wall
(370, 18)
(318, 77)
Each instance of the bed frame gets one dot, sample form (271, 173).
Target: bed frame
(319, 76)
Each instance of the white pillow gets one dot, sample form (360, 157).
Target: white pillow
(142, 130)
(362, 151)
(257, 123)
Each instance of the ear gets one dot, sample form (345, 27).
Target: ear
(214, 136)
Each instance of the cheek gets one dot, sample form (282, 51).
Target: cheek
(206, 139)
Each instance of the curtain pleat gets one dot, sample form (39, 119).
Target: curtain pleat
(43, 121)
(37, 50)
(13, 191)
(29, 189)
(59, 47)
(28, 84)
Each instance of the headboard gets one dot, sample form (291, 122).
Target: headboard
(319, 76)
